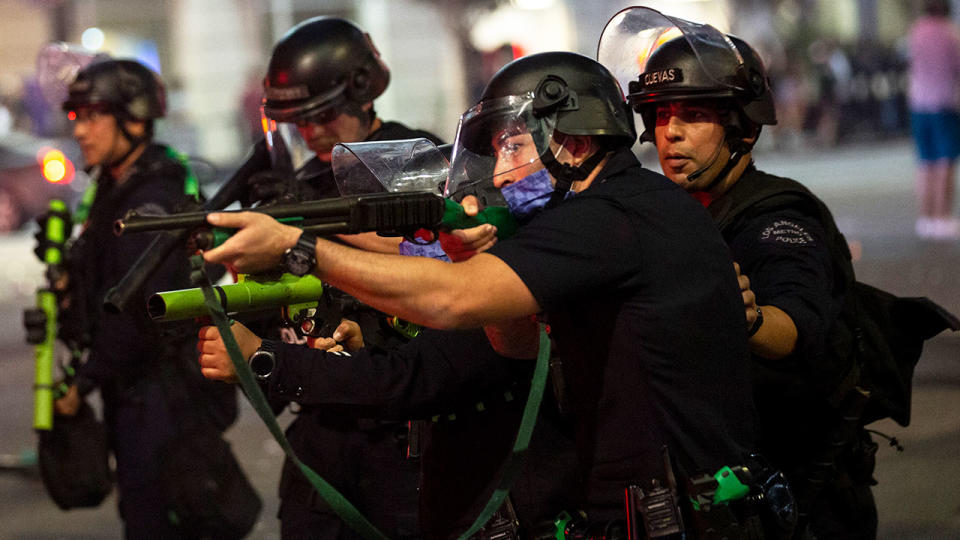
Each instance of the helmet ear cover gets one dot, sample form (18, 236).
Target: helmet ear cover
(757, 82)
(360, 82)
(554, 95)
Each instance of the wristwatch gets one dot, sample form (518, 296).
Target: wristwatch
(302, 257)
(263, 360)
(756, 324)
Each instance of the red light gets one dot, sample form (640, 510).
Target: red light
(55, 166)
(517, 51)
(72, 115)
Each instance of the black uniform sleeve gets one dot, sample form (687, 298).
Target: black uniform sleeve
(786, 257)
(435, 371)
(577, 246)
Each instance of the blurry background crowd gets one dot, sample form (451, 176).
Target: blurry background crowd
(838, 66)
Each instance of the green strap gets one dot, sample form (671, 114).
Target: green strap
(340, 505)
(191, 184)
(529, 420)
(89, 194)
(328, 493)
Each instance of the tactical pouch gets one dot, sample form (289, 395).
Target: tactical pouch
(74, 460)
(206, 492)
(748, 503)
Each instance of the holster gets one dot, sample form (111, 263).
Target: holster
(502, 525)
(766, 511)
(751, 501)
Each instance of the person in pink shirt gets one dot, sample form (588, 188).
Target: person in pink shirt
(935, 117)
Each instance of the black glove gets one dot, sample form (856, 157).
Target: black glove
(270, 186)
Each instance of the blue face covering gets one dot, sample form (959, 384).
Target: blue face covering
(432, 250)
(528, 195)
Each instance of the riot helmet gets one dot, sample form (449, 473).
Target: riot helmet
(662, 58)
(320, 65)
(525, 104)
(320, 69)
(126, 88)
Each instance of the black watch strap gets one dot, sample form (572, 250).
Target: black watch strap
(756, 324)
(263, 361)
(300, 259)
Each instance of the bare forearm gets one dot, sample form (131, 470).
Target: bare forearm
(426, 291)
(777, 336)
(371, 241)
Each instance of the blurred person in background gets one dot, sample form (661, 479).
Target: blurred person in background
(151, 389)
(934, 44)
(831, 71)
(791, 93)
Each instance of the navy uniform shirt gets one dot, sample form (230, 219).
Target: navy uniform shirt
(126, 344)
(640, 292)
(781, 246)
(471, 396)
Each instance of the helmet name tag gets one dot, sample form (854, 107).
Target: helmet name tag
(287, 93)
(662, 76)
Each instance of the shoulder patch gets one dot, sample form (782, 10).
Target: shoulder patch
(786, 232)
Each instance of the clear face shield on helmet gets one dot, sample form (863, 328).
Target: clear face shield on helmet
(401, 166)
(497, 151)
(634, 35)
(289, 151)
(57, 66)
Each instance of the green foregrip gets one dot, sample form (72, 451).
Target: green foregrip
(251, 294)
(55, 233)
(455, 218)
(43, 375)
(560, 525)
(729, 487)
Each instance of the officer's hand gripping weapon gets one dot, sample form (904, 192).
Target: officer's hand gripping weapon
(301, 299)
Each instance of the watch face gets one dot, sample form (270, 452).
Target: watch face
(261, 364)
(301, 258)
(298, 263)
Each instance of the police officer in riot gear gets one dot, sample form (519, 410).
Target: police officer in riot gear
(319, 89)
(633, 277)
(321, 81)
(148, 380)
(704, 97)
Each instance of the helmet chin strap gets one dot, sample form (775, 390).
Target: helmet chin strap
(566, 174)
(738, 149)
(134, 141)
